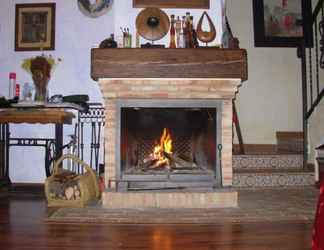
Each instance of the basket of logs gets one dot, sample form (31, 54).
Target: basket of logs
(65, 188)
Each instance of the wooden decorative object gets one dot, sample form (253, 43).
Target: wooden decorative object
(152, 23)
(206, 36)
(169, 63)
(187, 4)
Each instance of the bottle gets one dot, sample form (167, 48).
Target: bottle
(178, 31)
(12, 85)
(184, 32)
(194, 40)
(17, 91)
(137, 40)
(188, 33)
(172, 44)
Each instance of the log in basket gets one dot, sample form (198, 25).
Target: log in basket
(76, 190)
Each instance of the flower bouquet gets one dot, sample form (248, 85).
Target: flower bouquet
(40, 68)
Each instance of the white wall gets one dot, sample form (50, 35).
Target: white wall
(121, 7)
(271, 99)
(75, 35)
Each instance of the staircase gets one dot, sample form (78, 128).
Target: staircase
(288, 168)
(269, 171)
(280, 166)
(312, 65)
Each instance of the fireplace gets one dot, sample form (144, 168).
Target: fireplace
(168, 134)
(168, 144)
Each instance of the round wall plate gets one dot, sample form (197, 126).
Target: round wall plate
(152, 23)
(94, 8)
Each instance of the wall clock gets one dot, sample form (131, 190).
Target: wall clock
(94, 8)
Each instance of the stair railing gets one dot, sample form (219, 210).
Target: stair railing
(312, 69)
(315, 61)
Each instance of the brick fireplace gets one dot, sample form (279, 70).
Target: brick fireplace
(192, 90)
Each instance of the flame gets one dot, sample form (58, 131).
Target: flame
(165, 146)
(166, 141)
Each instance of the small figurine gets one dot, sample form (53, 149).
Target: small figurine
(108, 43)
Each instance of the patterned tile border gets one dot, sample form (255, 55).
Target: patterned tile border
(273, 179)
(267, 161)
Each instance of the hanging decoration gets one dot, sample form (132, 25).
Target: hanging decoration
(94, 8)
(206, 36)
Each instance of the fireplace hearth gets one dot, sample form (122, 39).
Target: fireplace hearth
(168, 133)
(168, 144)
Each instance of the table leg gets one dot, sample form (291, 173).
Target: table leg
(4, 154)
(58, 149)
(58, 139)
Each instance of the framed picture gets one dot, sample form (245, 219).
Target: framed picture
(35, 27)
(282, 23)
(188, 4)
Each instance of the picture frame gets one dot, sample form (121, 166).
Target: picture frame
(282, 23)
(35, 27)
(188, 4)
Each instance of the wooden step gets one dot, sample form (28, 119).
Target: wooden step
(290, 141)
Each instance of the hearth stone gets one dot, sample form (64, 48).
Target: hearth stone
(222, 198)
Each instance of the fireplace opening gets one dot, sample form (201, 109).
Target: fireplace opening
(169, 147)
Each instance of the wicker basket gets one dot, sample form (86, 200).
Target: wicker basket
(87, 185)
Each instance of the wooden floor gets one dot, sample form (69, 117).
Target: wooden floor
(22, 227)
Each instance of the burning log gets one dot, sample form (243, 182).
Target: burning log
(179, 162)
(148, 163)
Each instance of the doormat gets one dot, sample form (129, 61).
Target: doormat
(266, 205)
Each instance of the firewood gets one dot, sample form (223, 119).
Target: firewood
(69, 193)
(180, 162)
(64, 176)
(158, 165)
(148, 164)
(77, 194)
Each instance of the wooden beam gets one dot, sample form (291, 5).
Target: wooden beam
(169, 63)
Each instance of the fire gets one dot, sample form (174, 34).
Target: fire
(165, 146)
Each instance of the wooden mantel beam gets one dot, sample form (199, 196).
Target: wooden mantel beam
(169, 63)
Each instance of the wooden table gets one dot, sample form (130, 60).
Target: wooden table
(57, 116)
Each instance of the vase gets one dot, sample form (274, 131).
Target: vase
(41, 92)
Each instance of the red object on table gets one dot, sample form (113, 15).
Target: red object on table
(318, 231)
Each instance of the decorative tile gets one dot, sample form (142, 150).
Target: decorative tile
(289, 179)
(268, 161)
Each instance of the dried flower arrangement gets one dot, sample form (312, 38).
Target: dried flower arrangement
(40, 67)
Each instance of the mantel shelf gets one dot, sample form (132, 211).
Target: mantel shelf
(169, 63)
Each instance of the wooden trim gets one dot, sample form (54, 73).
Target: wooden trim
(169, 63)
(42, 116)
(188, 4)
(256, 149)
(261, 149)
